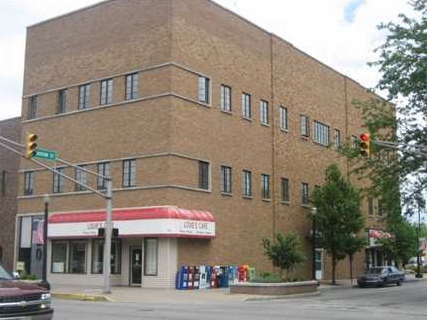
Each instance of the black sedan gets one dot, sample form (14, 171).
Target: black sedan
(381, 276)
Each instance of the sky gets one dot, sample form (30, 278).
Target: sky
(340, 33)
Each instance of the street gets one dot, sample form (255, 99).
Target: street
(406, 302)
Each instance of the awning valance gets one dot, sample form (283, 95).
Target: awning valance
(164, 221)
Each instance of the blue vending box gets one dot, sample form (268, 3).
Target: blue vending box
(178, 280)
(230, 275)
(196, 283)
(184, 274)
(223, 282)
(203, 277)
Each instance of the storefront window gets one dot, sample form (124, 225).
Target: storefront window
(98, 256)
(150, 257)
(77, 257)
(59, 256)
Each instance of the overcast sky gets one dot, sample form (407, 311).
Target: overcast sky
(340, 33)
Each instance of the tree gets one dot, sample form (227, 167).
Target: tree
(284, 251)
(338, 217)
(352, 246)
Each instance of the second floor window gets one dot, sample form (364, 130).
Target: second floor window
(81, 176)
(246, 183)
(380, 209)
(203, 89)
(103, 169)
(265, 186)
(337, 139)
(285, 189)
(370, 207)
(84, 93)
(32, 108)
(321, 133)
(263, 108)
(246, 105)
(283, 118)
(305, 126)
(131, 86)
(225, 179)
(28, 183)
(58, 181)
(129, 173)
(225, 98)
(304, 193)
(203, 175)
(62, 101)
(106, 91)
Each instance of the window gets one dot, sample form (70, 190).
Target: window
(380, 209)
(28, 183)
(247, 183)
(305, 128)
(225, 179)
(370, 207)
(131, 86)
(246, 105)
(285, 189)
(106, 91)
(58, 181)
(129, 173)
(225, 98)
(32, 108)
(98, 256)
(103, 169)
(354, 143)
(150, 257)
(77, 259)
(321, 133)
(283, 118)
(263, 107)
(337, 139)
(84, 93)
(62, 101)
(265, 186)
(81, 176)
(69, 256)
(203, 89)
(3, 183)
(304, 193)
(203, 175)
(59, 257)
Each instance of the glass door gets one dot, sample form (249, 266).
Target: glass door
(319, 264)
(136, 266)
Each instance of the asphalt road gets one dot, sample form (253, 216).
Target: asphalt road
(391, 303)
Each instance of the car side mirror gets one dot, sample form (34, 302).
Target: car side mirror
(16, 275)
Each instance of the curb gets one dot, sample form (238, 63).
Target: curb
(82, 297)
(300, 295)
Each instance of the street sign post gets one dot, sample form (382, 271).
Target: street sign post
(45, 154)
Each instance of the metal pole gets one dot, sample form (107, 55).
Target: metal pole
(419, 274)
(107, 240)
(313, 248)
(46, 216)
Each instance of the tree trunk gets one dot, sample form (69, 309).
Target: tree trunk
(351, 268)
(334, 263)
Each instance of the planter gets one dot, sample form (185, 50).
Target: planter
(274, 289)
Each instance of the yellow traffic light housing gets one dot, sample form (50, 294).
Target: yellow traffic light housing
(30, 145)
(365, 145)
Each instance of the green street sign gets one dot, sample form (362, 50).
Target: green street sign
(45, 154)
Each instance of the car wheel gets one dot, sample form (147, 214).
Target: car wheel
(361, 285)
(398, 283)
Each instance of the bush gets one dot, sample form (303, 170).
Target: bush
(414, 268)
(266, 277)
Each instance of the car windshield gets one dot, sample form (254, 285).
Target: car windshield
(375, 270)
(4, 275)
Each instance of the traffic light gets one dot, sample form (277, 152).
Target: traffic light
(30, 145)
(365, 145)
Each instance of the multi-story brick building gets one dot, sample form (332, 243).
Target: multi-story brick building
(184, 104)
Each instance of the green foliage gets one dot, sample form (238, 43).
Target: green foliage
(338, 218)
(285, 251)
(25, 276)
(266, 277)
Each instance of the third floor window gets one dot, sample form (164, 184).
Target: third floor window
(283, 118)
(225, 98)
(32, 108)
(321, 133)
(285, 189)
(103, 169)
(305, 126)
(337, 139)
(131, 86)
(304, 194)
(84, 93)
(129, 173)
(62, 101)
(81, 176)
(263, 108)
(246, 105)
(106, 91)
(28, 183)
(246, 183)
(265, 186)
(203, 89)
(203, 175)
(225, 179)
(58, 181)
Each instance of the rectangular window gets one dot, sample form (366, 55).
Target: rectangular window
(103, 169)
(225, 98)
(247, 183)
(304, 193)
(58, 181)
(81, 176)
(59, 257)
(62, 101)
(246, 105)
(225, 179)
(77, 256)
(337, 139)
(263, 108)
(380, 209)
(203, 175)
(150, 257)
(32, 108)
(98, 256)
(305, 127)
(84, 94)
(265, 186)
(285, 189)
(203, 89)
(131, 86)
(106, 91)
(129, 173)
(283, 118)
(3, 183)
(321, 133)
(354, 143)
(370, 207)
(28, 183)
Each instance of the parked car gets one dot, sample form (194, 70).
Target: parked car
(381, 276)
(413, 262)
(21, 300)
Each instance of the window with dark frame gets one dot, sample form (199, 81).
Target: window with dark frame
(129, 173)
(283, 118)
(226, 179)
(337, 139)
(371, 207)
(102, 169)
(106, 96)
(28, 183)
(203, 175)
(305, 126)
(265, 186)
(131, 86)
(263, 107)
(84, 94)
(98, 256)
(77, 256)
(321, 133)
(246, 105)
(246, 183)
(203, 89)
(285, 189)
(380, 209)
(150, 256)
(58, 181)
(304, 193)
(225, 98)
(81, 176)
(32, 108)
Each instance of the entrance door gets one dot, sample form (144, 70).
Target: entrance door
(319, 264)
(136, 266)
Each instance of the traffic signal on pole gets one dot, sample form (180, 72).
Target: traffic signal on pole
(30, 145)
(365, 145)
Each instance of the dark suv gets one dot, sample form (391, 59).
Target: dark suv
(20, 300)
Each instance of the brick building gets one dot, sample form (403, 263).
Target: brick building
(199, 116)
